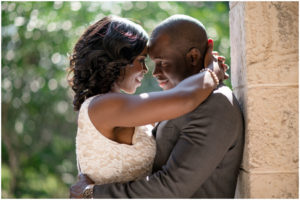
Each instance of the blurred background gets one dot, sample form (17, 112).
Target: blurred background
(38, 121)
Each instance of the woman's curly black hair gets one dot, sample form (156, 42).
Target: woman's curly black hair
(101, 53)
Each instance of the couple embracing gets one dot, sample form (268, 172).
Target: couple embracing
(183, 142)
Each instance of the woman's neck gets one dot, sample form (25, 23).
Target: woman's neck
(115, 88)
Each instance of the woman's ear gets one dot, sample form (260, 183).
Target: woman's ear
(194, 56)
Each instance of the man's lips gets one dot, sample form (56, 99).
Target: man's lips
(162, 82)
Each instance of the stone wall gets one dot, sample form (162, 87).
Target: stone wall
(264, 73)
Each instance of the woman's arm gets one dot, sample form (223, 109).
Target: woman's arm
(123, 110)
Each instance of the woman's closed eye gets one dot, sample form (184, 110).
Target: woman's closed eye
(142, 60)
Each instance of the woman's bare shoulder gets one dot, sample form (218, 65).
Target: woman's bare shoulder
(104, 108)
(106, 101)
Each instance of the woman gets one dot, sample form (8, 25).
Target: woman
(113, 142)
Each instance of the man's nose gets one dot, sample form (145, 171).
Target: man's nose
(156, 70)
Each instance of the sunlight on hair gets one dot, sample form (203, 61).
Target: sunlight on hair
(144, 95)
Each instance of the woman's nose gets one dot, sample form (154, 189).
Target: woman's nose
(145, 68)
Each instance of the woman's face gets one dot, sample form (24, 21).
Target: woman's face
(134, 74)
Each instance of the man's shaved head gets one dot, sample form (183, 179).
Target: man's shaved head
(184, 33)
(177, 46)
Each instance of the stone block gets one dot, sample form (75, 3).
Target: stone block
(271, 25)
(272, 129)
(267, 185)
(274, 185)
(273, 71)
(271, 30)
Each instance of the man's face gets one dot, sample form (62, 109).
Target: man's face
(170, 66)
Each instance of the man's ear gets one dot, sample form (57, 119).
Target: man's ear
(193, 56)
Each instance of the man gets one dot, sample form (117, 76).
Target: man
(198, 154)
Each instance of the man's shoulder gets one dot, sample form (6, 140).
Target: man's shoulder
(221, 102)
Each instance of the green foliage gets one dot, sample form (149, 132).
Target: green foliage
(38, 121)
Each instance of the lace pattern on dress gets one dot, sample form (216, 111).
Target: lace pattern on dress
(106, 161)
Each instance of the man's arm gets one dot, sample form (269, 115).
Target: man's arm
(201, 147)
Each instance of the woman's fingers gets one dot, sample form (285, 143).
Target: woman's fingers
(225, 66)
(214, 55)
(222, 63)
(221, 58)
(226, 76)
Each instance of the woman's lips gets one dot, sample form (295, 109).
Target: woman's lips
(139, 79)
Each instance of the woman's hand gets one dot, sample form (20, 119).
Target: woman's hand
(216, 63)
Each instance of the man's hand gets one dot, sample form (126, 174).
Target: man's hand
(213, 61)
(76, 190)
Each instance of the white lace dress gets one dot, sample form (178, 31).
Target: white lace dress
(106, 161)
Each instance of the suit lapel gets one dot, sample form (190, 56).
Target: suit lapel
(154, 130)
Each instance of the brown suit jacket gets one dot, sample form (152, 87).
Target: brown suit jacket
(198, 154)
